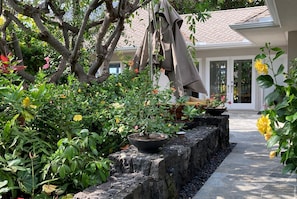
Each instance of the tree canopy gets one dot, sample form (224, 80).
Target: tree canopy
(192, 6)
(79, 36)
(69, 30)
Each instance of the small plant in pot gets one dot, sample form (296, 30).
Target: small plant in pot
(145, 113)
(215, 105)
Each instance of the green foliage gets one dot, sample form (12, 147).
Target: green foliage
(55, 139)
(281, 126)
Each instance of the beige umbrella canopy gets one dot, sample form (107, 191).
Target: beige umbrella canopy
(164, 42)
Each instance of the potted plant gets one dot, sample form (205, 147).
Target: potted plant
(143, 112)
(215, 105)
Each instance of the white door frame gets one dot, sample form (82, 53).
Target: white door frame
(230, 63)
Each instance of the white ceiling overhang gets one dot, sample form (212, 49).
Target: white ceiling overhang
(273, 29)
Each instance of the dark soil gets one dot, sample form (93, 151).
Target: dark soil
(201, 176)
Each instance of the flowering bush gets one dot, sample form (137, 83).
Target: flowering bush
(278, 123)
(215, 101)
(140, 107)
(55, 139)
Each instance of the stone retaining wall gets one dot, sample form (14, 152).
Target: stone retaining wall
(137, 175)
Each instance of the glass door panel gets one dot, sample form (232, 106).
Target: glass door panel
(235, 81)
(242, 81)
(218, 77)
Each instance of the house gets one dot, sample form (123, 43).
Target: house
(226, 46)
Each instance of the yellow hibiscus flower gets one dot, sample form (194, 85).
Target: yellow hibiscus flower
(268, 133)
(26, 102)
(263, 124)
(261, 67)
(77, 118)
(272, 154)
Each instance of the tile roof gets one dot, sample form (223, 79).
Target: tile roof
(214, 31)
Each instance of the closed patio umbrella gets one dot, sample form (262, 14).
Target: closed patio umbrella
(164, 42)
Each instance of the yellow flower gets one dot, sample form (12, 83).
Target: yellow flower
(268, 133)
(48, 188)
(260, 67)
(263, 124)
(272, 154)
(26, 102)
(33, 106)
(77, 118)
(79, 90)
(121, 129)
(117, 120)
(117, 105)
(63, 96)
(2, 20)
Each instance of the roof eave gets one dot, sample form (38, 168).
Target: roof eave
(242, 26)
(223, 46)
(273, 11)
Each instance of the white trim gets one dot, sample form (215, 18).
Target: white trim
(253, 25)
(230, 62)
(273, 11)
(252, 105)
(208, 46)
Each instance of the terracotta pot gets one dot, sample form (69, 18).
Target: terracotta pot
(151, 143)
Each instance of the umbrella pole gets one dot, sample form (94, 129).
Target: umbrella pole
(151, 14)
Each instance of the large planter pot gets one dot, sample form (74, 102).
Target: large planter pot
(151, 143)
(215, 111)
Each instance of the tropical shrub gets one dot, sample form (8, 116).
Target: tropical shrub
(278, 123)
(55, 138)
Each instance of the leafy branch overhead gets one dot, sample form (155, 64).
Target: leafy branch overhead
(68, 28)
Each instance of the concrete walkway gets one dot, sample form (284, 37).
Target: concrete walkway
(247, 172)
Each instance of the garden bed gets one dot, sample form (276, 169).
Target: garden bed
(162, 175)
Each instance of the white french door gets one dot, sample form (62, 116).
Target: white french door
(234, 78)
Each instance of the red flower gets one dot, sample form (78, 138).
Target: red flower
(46, 66)
(155, 91)
(5, 62)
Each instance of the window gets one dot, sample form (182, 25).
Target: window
(115, 68)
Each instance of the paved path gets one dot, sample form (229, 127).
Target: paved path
(247, 172)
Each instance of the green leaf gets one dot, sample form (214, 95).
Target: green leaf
(272, 141)
(85, 179)
(14, 162)
(278, 54)
(292, 118)
(70, 152)
(3, 183)
(62, 171)
(280, 70)
(288, 168)
(272, 97)
(27, 183)
(265, 81)
(73, 165)
(260, 56)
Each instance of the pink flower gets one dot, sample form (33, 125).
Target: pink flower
(46, 66)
